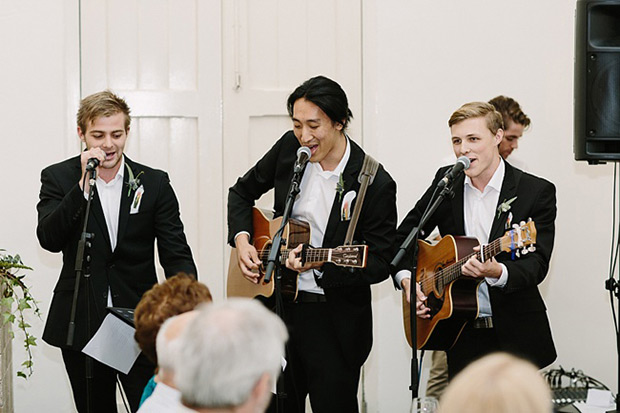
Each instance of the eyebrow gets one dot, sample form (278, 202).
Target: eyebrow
(308, 121)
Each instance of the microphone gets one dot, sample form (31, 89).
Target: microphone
(461, 164)
(303, 156)
(92, 164)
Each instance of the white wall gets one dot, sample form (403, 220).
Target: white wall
(421, 61)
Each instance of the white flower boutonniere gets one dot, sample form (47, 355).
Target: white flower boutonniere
(133, 182)
(505, 206)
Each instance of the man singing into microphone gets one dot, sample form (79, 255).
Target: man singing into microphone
(133, 205)
(330, 322)
(488, 199)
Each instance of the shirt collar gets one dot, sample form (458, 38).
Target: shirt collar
(496, 180)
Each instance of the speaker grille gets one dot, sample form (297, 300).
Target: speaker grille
(603, 95)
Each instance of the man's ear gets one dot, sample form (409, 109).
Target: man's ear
(499, 136)
(81, 134)
(261, 392)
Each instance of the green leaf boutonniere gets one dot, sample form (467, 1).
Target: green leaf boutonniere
(134, 182)
(505, 206)
(340, 187)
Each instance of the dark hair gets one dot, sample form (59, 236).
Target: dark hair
(510, 110)
(327, 95)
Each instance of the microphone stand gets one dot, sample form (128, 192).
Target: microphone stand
(614, 288)
(83, 257)
(411, 242)
(274, 256)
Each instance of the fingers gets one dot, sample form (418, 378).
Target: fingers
(249, 262)
(293, 262)
(422, 310)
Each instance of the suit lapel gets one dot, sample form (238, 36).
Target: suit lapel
(349, 175)
(125, 202)
(509, 191)
(458, 206)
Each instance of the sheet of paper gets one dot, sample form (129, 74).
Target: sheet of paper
(113, 344)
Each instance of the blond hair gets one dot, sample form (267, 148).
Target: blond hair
(101, 104)
(499, 383)
(478, 110)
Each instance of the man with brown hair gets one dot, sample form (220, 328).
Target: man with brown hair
(488, 199)
(133, 206)
(515, 123)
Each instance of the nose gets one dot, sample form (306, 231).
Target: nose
(305, 136)
(107, 141)
(515, 143)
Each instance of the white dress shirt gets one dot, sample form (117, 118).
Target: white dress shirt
(479, 211)
(314, 204)
(110, 197)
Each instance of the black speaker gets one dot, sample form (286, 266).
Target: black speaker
(597, 81)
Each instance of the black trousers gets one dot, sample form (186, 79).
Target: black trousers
(472, 344)
(104, 382)
(316, 365)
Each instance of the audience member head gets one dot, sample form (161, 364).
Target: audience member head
(515, 122)
(178, 294)
(499, 383)
(231, 357)
(169, 344)
(327, 95)
(101, 104)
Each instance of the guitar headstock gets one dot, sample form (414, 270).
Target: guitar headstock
(350, 256)
(522, 236)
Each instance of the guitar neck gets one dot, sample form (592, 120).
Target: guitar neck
(453, 271)
(313, 255)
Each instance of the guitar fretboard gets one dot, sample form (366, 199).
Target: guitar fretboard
(452, 272)
(312, 255)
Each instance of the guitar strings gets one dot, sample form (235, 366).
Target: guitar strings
(453, 271)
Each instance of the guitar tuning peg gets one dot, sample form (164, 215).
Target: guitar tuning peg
(522, 223)
(517, 254)
(531, 248)
(524, 251)
(529, 219)
(515, 226)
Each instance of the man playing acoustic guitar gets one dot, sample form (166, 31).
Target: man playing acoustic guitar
(491, 197)
(330, 321)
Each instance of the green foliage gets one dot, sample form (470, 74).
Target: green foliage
(14, 301)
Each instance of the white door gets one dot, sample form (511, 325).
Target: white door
(271, 47)
(163, 57)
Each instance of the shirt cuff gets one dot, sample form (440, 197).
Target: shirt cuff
(401, 275)
(239, 233)
(501, 281)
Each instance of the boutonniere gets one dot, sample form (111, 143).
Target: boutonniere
(340, 187)
(134, 181)
(505, 206)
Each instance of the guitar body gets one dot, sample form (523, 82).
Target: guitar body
(452, 304)
(295, 233)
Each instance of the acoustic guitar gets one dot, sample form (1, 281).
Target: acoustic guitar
(451, 296)
(295, 232)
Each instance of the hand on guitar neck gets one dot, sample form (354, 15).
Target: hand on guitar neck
(476, 269)
(295, 260)
(247, 258)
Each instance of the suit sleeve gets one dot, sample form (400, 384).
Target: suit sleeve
(412, 219)
(249, 188)
(175, 254)
(59, 213)
(377, 229)
(531, 269)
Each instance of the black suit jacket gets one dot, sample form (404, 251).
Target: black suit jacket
(347, 290)
(519, 312)
(129, 270)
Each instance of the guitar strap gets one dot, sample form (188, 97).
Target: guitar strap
(365, 178)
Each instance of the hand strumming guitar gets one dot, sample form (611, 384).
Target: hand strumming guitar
(247, 258)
